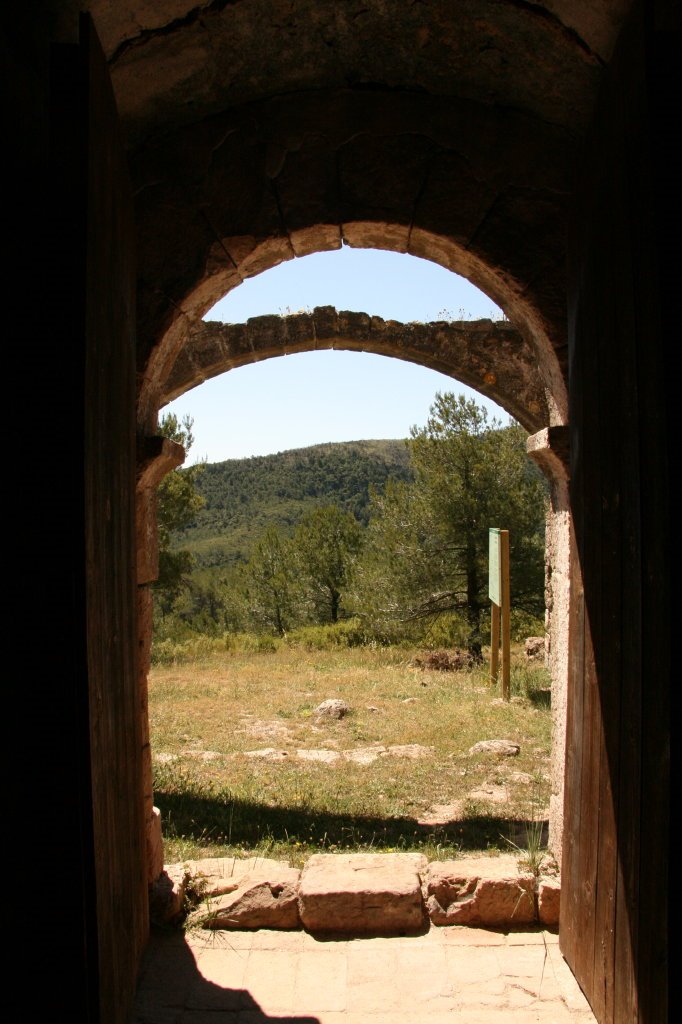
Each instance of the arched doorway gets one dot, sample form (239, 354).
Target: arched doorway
(607, 262)
(492, 356)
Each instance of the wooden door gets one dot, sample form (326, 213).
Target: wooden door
(96, 316)
(614, 873)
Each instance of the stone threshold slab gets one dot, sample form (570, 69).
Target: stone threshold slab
(355, 894)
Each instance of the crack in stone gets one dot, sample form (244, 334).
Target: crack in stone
(420, 192)
(176, 25)
(571, 34)
(219, 241)
(280, 212)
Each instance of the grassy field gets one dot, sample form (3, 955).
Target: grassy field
(228, 729)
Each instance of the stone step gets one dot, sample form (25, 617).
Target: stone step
(358, 894)
(483, 893)
(362, 892)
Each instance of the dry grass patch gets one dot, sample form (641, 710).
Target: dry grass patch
(217, 797)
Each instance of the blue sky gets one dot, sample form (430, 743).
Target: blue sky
(305, 399)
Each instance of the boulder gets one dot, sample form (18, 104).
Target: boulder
(503, 748)
(332, 708)
(362, 893)
(486, 892)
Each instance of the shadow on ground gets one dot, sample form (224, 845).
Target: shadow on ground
(248, 824)
(171, 984)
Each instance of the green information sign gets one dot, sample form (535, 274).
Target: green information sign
(494, 567)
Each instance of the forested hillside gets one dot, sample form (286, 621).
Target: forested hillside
(245, 496)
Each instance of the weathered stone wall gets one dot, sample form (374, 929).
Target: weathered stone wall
(378, 124)
(196, 247)
(549, 448)
(156, 456)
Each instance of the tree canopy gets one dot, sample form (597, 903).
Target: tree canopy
(270, 585)
(325, 543)
(177, 504)
(420, 565)
(427, 546)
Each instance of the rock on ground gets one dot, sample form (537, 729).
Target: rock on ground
(414, 751)
(332, 708)
(220, 875)
(167, 894)
(503, 748)
(359, 893)
(377, 893)
(446, 661)
(535, 648)
(482, 892)
(321, 755)
(366, 755)
(268, 754)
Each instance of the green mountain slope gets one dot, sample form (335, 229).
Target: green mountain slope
(244, 496)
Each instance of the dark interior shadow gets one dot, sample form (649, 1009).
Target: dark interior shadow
(171, 987)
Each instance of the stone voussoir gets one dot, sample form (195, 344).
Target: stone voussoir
(361, 893)
(482, 892)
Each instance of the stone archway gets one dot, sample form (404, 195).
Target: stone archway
(454, 135)
(492, 357)
(226, 194)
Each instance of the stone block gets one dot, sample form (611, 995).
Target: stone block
(549, 901)
(220, 875)
(361, 893)
(262, 899)
(480, 892)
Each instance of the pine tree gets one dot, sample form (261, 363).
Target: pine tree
(427, 548)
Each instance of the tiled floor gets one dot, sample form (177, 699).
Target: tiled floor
(446, 976)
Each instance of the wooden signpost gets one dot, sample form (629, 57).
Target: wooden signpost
(498, 591)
